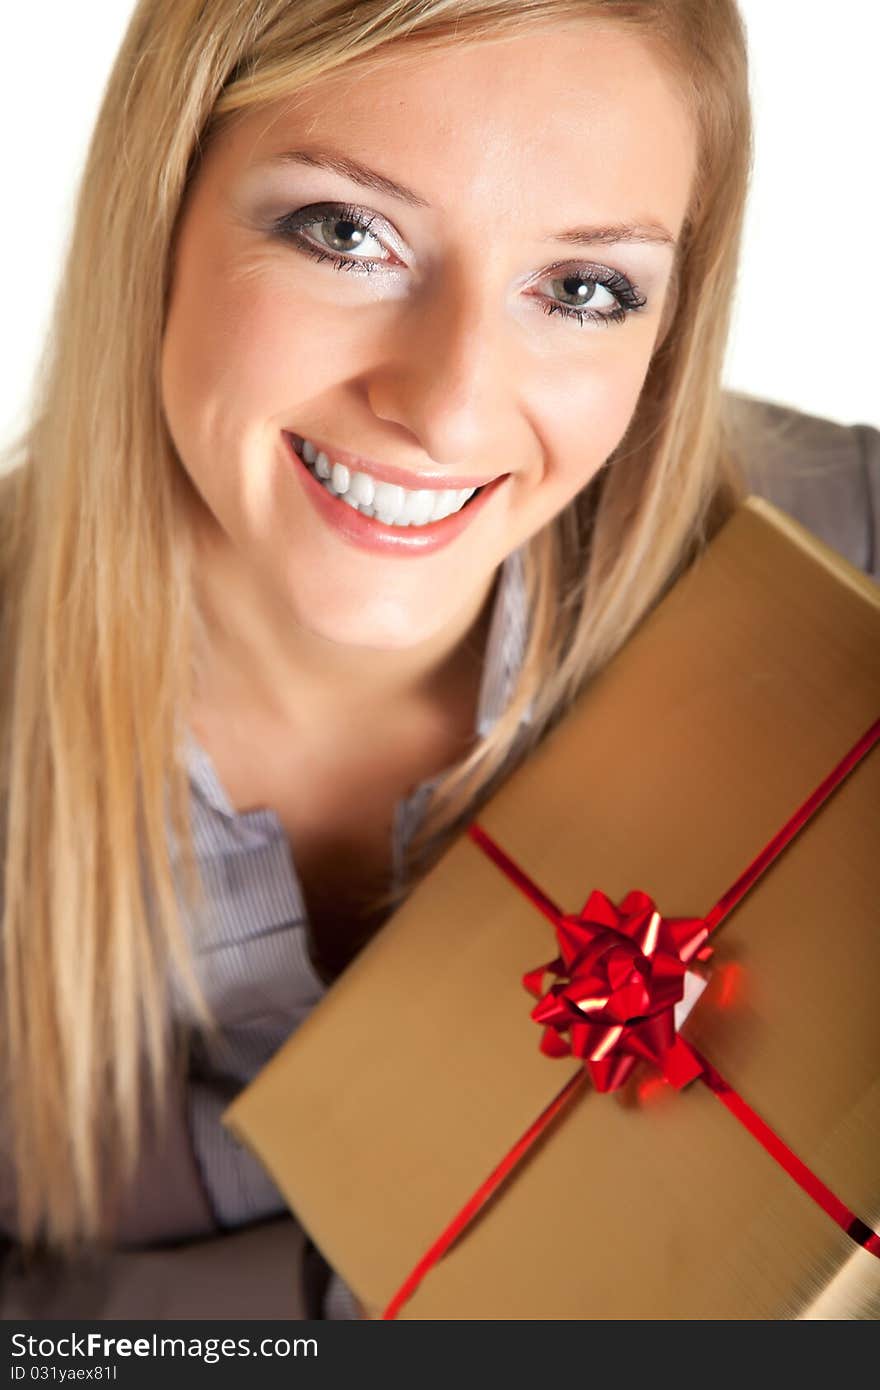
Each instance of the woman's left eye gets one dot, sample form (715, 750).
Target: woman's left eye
(338, 232)
(600, 295)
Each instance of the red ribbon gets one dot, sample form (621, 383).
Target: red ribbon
(619, 974)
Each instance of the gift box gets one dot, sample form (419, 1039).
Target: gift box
(422, 1068)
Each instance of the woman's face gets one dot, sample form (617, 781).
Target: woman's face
(445, 274)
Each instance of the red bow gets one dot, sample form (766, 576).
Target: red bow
(619, 976)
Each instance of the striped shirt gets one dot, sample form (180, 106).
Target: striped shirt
(251, 950)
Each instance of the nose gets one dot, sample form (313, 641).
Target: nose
(445, 376)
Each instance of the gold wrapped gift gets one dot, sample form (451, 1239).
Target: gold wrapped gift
(420, 1069)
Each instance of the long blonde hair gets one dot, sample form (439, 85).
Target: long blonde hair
(95, 561)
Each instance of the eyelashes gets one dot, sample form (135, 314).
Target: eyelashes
(627, 296)
(586, 282)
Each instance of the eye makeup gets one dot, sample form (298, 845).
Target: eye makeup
(616, 295)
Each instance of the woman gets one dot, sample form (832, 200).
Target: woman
(382, 402)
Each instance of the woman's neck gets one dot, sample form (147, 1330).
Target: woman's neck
(252, 655)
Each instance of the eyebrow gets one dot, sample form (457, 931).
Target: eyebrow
(352, 169)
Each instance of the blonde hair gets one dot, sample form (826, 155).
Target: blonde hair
(97, 610)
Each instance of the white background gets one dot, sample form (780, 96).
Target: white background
(808, 304)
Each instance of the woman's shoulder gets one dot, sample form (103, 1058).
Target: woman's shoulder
(825, 474)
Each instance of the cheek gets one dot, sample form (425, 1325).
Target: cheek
(586, 410)
(240, 352)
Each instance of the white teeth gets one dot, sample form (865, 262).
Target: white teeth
(445, 502)
(363, 489)
(389, 503)
(418, 507)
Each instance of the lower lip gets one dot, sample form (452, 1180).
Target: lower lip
(371, 534)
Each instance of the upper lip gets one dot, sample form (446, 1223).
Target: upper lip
(386, 473)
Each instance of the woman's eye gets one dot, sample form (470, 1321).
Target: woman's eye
(342, 234)
(581, 292)
(595, 295)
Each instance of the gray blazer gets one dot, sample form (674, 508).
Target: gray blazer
(828, 477)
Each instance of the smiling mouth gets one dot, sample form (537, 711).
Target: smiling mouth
(375, 498)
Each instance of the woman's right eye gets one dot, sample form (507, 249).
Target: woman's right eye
(342, 232)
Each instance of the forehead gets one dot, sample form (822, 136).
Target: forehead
(569, 117)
